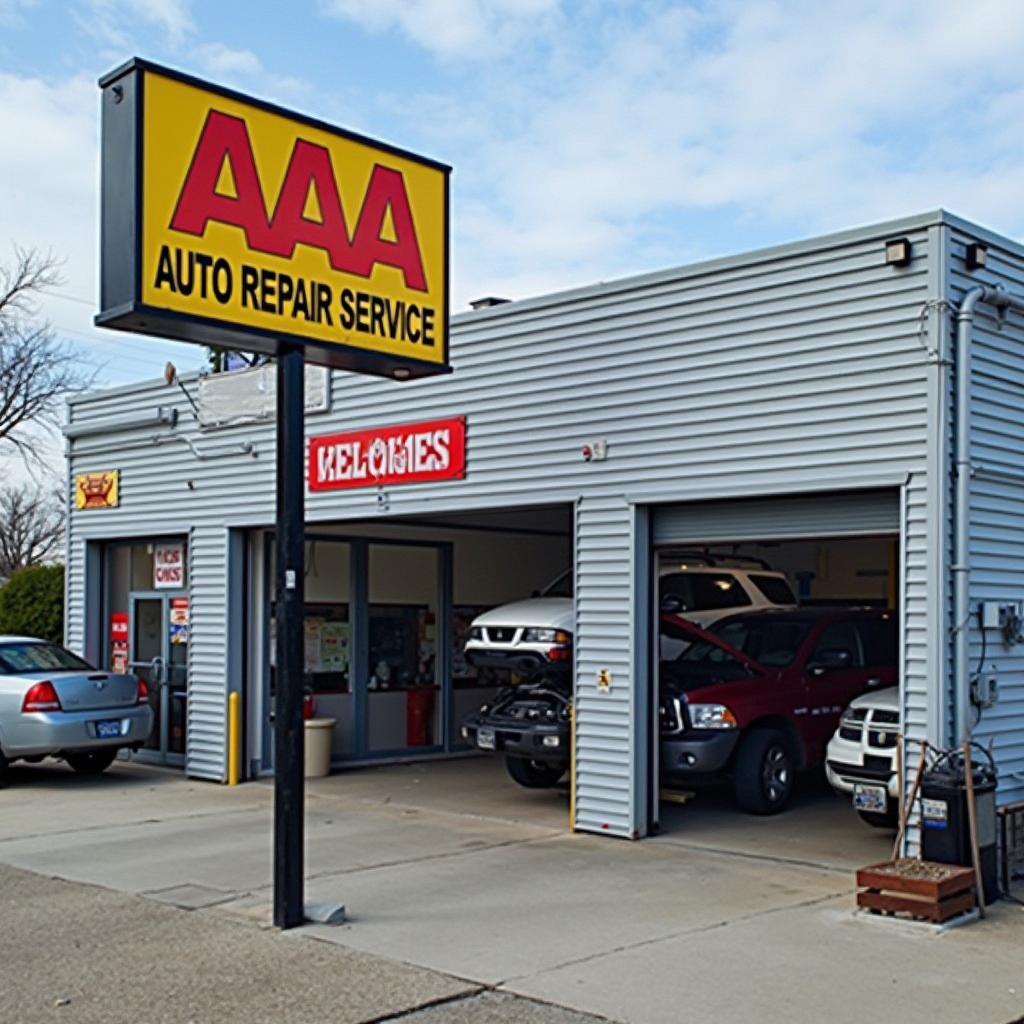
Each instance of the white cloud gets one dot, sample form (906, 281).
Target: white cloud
(778, 117)
(465, 28)
(218, 59)
(112, 20)
(12, 11)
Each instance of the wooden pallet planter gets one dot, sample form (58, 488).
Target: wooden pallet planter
(921, 889)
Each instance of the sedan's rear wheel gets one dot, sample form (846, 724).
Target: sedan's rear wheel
(91, 762)
(534, 774)
(4, 763)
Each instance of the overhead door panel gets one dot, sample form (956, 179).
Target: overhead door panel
(840, 514)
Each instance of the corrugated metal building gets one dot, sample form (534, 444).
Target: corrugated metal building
(805, 390)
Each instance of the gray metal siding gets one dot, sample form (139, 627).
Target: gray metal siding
(857, 513)
(788, 370)
(207, 653)
(997, 500)
(605, 734)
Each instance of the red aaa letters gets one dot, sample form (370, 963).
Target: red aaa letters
(225, 141)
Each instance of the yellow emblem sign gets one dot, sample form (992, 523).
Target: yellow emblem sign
(97, 490)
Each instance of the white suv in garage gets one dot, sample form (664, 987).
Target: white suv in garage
(535, 635)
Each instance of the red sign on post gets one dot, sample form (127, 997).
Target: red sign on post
(407, 454)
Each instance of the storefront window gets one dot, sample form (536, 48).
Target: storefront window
(327, 624)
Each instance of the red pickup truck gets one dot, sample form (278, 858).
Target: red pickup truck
(758, 697)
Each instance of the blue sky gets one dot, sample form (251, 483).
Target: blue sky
(589, 139)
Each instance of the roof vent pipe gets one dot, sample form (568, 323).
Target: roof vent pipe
(487, 302)
(1002, 300)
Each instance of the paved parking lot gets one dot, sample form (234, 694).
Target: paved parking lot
(449, 868)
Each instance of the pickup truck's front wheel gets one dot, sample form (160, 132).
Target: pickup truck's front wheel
(534, 774)
(764, 772)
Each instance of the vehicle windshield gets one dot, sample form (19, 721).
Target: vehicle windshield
(18, 658)
(770, 640)
(561, 587)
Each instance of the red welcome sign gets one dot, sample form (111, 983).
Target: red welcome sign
(406, 454)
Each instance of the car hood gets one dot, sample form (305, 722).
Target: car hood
(886, 700)
(703, 634)
(552, 612)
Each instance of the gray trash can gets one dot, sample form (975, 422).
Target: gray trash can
(319, 733)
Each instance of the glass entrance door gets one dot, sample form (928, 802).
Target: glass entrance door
(404, 706)
(158, 654)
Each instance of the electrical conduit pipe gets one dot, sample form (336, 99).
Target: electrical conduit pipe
(1001, 300)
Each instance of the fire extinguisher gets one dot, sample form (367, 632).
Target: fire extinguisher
(308, 705)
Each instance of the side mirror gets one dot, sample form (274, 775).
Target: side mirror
(672, 605)
(830, 660)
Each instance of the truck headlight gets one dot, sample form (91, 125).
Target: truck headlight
(853, 717)
(546, 636)
(712, 716)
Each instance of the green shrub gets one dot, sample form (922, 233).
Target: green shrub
(32, 602)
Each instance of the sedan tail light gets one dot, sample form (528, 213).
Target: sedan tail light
(41, 697)
(143, 695)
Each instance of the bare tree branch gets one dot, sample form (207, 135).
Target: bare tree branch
(36, 370)
(31, 526)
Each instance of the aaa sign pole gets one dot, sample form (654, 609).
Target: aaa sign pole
(289, 781)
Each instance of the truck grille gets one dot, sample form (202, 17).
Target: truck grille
(501, 634)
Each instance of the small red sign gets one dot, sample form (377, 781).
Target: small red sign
(119, 626)
(406, 454)
(119, 657)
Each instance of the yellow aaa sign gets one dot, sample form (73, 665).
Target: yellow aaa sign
(254, 224)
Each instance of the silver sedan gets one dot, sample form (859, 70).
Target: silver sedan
(55, 704)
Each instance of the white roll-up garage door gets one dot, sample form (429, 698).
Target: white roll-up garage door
(840, 514)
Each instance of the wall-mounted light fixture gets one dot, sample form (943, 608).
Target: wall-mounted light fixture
(976, 256)
(897, 252)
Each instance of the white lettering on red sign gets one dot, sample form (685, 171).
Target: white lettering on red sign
(169, 566)
(389, 455)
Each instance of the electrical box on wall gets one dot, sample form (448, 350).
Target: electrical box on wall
(1007, 617)
(992, 615)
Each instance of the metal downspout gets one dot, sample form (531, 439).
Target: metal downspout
(961, 556)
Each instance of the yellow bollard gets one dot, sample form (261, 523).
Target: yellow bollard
(234, 734)
(572, 768)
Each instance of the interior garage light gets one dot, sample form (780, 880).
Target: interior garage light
(897, 252)
(975, 255)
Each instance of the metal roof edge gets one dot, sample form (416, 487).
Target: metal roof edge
(139, 386)
(982, 233)
(709, 266)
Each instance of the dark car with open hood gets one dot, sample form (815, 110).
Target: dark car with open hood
(753, 700)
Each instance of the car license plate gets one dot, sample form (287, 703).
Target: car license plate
(485, 739)
(109, 729)
(870, 798)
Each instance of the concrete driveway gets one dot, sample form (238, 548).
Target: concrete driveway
(449, 866)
